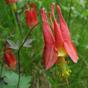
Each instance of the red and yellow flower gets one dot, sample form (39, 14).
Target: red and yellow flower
(58, 45)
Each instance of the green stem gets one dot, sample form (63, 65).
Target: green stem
(19, 50)
(18, 69)
(67, 82)
(18, 28)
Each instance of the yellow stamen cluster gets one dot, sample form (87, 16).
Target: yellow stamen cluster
(64, 70)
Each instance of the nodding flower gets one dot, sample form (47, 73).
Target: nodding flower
(31, 15)
(10, 58)
(58, 43)
(11, 1)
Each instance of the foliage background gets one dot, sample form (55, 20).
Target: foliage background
(33, 74)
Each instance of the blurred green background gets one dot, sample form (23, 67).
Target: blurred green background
(33, 74)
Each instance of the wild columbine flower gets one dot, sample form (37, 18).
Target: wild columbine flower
(10, 58)
(11, 1)
(31, 15)
(62, 44)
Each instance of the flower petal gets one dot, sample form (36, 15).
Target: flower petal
(48, 36)
(28, 14)
(69, 47)
(58, 36)
(71, 50)
(34, 14)
(49, 56)
(63, 26)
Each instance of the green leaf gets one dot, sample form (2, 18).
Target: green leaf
(12, 79)
(28, 42)
(13, 45)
